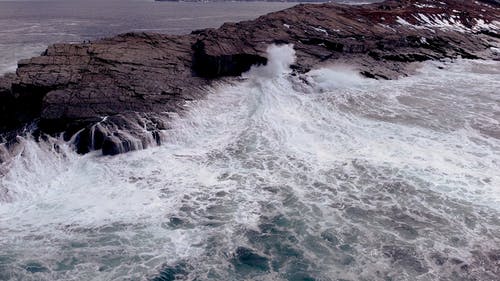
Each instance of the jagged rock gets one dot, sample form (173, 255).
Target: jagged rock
(72, 87)
(123, 132)
(9, 114)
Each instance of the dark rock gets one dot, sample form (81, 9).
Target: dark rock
(220, 65)
(114, 145)
(121, 133)
(136, 76)
(11, 115)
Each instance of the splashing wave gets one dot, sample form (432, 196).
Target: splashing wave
(272, 178)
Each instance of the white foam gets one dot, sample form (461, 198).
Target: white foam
(402, 21)
(279, 60)
(338, 76)
(447, 22)
(255, 149)
(319, 29)
(424, 6)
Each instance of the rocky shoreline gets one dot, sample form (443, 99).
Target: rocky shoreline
(117, 94)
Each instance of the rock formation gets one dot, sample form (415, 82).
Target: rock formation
(117, 93)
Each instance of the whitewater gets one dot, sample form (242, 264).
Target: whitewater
(276, 176)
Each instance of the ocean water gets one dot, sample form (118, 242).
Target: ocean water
(269, 178)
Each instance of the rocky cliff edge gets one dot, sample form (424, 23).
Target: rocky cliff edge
(117, 94)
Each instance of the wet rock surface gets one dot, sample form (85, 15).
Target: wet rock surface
(137, 76)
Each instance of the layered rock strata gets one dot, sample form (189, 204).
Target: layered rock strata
(117, 94)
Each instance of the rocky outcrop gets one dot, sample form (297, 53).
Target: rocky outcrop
(115, 94)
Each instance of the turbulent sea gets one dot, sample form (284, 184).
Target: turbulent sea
(326, 176)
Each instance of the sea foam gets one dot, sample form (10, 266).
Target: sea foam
(355, 179)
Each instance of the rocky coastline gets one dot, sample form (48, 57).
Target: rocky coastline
(117, 94)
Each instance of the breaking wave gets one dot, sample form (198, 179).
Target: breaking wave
(328, 176)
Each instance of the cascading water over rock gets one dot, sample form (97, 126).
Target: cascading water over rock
(274, 178)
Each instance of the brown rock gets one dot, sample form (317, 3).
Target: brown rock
(134, 76)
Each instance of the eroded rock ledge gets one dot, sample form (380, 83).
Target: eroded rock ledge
(117, 93)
